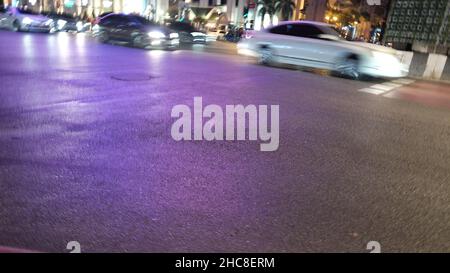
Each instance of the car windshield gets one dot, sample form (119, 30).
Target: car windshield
(332, 31)
(182, 27)
(61, 16)
(65, 16)
(26, 11)
(139, 20)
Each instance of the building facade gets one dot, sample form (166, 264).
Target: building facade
(419, 25)
(155, 9)
(237, 12)
(92, 8)
(316, 9)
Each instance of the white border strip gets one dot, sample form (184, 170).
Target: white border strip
(380, 89)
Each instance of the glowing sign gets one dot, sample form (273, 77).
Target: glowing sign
(69, 3)
(107, 4)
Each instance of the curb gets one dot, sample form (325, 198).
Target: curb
(4, 249)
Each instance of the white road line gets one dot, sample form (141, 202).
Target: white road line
(392, 84)
(383, 87)
(372, 91)
(380, 89)
(403, 81)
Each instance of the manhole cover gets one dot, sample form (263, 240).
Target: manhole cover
(132, 77)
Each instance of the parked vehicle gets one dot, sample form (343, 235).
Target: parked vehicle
(67, 22)
(234, 34)
(22, 19)
(217, 32)
(136, 31)
(319, 45)
(187, 33)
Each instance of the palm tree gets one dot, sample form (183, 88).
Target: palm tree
(267, 7)
(349, 10)
(285, 7)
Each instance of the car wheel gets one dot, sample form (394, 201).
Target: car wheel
(102, 37)
(15, 26)
(138, 41)
(266, 56)
(173, 48)
(348, 67)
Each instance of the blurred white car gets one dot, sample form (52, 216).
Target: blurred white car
(319, 45)
(18, 19)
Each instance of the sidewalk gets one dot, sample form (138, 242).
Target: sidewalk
(4, 249)
(429, 93)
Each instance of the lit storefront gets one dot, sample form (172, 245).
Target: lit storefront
(134, 6)
(153, 9)
(90, 7)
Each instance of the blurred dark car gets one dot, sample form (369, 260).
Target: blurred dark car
(67, 22)
(187, 33)
(136, 31)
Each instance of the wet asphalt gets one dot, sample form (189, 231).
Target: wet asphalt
(86, 154)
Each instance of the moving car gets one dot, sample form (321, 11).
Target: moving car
(21, 19)
(318, 45)
(187, 33)
(67, 22)
(136, 31)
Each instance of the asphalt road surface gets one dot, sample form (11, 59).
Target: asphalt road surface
(86, 155)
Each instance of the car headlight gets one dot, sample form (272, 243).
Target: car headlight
(197, 34)
(156, 35)
(173, 35)
(27, 21)
(80, 25)
(384, 58)
(61, 23)
(49, 22)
